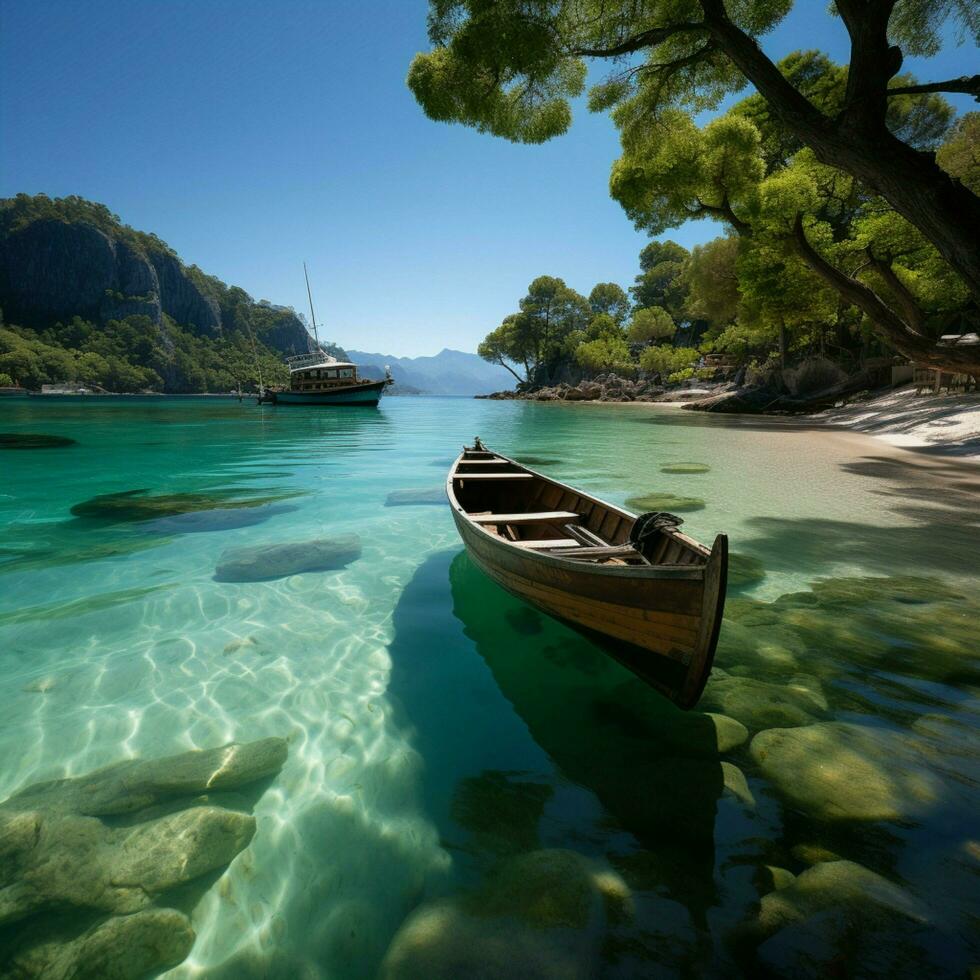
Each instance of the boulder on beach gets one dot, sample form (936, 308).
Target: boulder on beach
(416, 496)
(264, 563)
(839, 771)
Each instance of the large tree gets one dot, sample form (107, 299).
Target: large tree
(511, 67)
(535, 336)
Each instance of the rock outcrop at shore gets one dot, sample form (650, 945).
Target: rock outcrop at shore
(604, 388)
(86, 864)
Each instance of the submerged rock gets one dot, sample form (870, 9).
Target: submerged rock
(542, 915)
(138, 783)
(760, 704)
(423, 495)
(840, 918)
(666, 502)
(126, 947)
(839, 771)
(265, 563)
(644, 713)
(219, 519)
(133, 506)
(500, 811)
(74, 851)
(33, 440)
(690, 468)
(744, 570)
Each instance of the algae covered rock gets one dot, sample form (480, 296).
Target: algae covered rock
(435, 496)
(840, 771)
(643, 713)
(761, 704)
(501, 811)
(744, 570)
(669, 502)
(266, 563)
(84, 861)
(840, 918)
(136, 506)
(126, 947)
(543, 915)
(138, 783)
(33, 440)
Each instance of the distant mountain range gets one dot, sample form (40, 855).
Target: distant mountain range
(450, 372)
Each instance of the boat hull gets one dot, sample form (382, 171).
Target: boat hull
(356, 395)
(661, 622)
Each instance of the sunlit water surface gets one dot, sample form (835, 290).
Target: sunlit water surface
(436, 726)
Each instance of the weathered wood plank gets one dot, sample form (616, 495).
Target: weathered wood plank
(531, 517)
(493, 476)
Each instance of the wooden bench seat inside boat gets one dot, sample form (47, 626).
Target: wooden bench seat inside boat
(493, 476)
(548, 543)
(532, 517)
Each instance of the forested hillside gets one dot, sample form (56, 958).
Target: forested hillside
(87, 299)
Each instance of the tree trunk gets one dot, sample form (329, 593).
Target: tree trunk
(782, 343)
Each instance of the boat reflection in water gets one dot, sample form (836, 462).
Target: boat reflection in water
(655, 768)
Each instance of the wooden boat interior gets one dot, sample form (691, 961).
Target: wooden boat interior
(531, 511)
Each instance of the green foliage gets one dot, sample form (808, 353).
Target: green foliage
(537, 334)
(608, 298)
(133, 354)
(660, 280)
(960, 154)
(668, 360)
(602, 325)
(606, 354)
(712, 281)
(651, 323)
(5, 380)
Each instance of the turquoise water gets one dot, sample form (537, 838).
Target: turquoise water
(437, 727)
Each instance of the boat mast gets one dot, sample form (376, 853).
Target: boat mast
(312, 314)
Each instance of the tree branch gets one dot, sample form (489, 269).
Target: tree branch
(790, 105)
(645, 39)
(896, 331)
(906, 302)
(968, 84)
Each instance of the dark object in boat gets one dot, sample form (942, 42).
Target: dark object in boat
(33, 440)
(648, 594)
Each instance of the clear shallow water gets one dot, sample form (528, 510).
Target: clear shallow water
(437, 727)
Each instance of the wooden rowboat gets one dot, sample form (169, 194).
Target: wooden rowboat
(649, 595)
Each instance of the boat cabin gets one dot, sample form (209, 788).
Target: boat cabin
(320, 372)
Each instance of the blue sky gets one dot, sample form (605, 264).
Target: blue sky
(254, 134)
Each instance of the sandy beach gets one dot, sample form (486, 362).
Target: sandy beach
(947, 423)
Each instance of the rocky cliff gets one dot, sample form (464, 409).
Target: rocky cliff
(62, 258)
